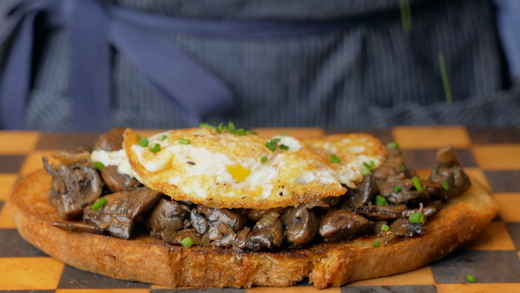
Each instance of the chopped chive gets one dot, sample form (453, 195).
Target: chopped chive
(275, 140)
(402, 167)
(417, 183)
(434, 171)
(206, 125)
(264, 159)
(397, 188)
(445, 80)
(283, 134)
(187, 242)
(163, 137)
(99, 203)
(376, 244)
(99, 166)
(220, 127)
(394, 145)
(252, 132)
(380, 201)
(156, 148)
(184, 141)
(406, 16)
(284, 147)
(365, 172)
(231, 127)
(416, 218)
(270, 146)
(366, 165)
(385, 228)
(241, 132)
(334, 159)
(143, 141)
(471, 279)
(372, 164)
(445, 185)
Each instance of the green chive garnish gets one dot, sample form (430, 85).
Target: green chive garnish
(99, 203)
(365, 172)
(471, 279)
(417, 183)
(366, 165)
(403, 167)
(264, 159)
(445, 80)
(270, 146)
(231, 127)
(206, 125)
(445, 185)
(241, 132)
(163, 137)
(434, 171)
(372, 164)
(380, 201)
(397, 188)
(376, 244)
(416, 218)
(385, 228)
(220, 127)
(252, 132)
(187, 242)
(143, 141)
(156, 148)
(184, 141)
(394, 145)
(334, 159)
(99, 166)
(284, 147)
(275, 140)
(406, 16)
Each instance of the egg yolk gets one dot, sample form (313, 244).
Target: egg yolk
(238, 172)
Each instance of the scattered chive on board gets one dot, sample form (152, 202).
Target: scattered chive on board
(471, 279)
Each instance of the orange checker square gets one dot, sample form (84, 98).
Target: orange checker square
(480, 288)
(17, 142)
(509, 205)
(498, 157)
(422, 276)
(7, 182)
(295, 289)
(103, 290)
(304, 132)
(432, 137)
(29, 273)
(6, 221)
(494, 236)
(34, 161)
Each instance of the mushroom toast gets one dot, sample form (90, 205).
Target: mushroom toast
(219, 207)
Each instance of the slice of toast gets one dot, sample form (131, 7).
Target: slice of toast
(151, 260)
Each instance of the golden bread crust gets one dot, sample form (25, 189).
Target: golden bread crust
(150, 260)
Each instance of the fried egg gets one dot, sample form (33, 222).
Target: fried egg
(356, 152)
(226, 170)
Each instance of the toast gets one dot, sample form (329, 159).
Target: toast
(151, 260)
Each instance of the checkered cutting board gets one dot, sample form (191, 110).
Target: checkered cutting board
(491, 157)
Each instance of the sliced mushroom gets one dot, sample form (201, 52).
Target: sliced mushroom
(74, 186)
(449, 173)
(118, 216)
(301, 225)
(215, 217)
(78, 227)
(72, 156)
(110, 141)
(241, 239)
(176, 237)
(342, 225)
(377, 212)
(222, 235)
(267, 233)
(255, 215)
(365, 191)
(393, 166)
(117, 182)
(198, 221)
(168, 215)
(402, 227)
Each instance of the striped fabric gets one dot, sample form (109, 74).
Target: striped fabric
(371, 76)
